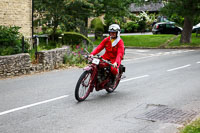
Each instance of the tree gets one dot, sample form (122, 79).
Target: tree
(67, 13)
(50, 13)
(81, 10)
(189, 9)
(113, 9)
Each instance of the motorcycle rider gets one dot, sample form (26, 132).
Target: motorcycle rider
(114, 49)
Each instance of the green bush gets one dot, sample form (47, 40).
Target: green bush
(10, 41)
(142, 24)
(73, 38)
(131, 27)
(178, 19)
(97, 25)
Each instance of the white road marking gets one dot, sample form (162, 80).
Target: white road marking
(189, 50)
(173, 69)
(31, 105)
(144, 76)
(135, 53)
(137, 58)
(142, 51)
(159, 54)
(198, 62)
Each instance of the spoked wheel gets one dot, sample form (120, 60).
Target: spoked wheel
(82, 89)
(111, 89)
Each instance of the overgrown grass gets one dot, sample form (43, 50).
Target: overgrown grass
(194, 127)
(195, 42)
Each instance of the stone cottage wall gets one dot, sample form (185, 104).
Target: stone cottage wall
(18, 13)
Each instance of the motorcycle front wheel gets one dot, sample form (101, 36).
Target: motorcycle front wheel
(82, 89)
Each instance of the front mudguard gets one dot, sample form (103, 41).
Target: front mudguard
(88, 68)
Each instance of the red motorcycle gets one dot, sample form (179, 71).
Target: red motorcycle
(95, 76)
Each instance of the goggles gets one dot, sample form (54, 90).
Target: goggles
(113, 29)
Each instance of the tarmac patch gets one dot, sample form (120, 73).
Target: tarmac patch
(167, 115)
(157, 113)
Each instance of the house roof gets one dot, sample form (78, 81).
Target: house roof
(152, 7)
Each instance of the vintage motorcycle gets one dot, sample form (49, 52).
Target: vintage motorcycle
(96, 77)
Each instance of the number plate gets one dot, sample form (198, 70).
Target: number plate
(95, 61)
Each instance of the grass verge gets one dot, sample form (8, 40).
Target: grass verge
(148, 41)
(195, 42)
(155, 41)
(194, 127)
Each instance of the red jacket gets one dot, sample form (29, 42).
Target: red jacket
(114, 54)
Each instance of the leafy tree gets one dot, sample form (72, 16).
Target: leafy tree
(80, 11)
(10, 41)
(114, 10)
(68, 14)
(189, 9)
(50, 13)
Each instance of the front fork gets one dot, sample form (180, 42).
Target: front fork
(93, 70)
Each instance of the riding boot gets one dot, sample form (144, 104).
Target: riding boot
(114, 79)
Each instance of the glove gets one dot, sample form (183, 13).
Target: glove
(91, 56)
(115, 65)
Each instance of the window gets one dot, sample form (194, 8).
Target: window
(170, 26)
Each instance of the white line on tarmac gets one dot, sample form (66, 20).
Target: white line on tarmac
(160, 54)
(31, 105)
(173, 69)
(144, 76)
(137, 58)
(198, 62)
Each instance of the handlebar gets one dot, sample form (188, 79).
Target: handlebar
(98, 57)
(108, 62)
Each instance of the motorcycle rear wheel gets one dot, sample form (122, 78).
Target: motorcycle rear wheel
(83, 88)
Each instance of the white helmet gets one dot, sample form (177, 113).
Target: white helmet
(114, 28)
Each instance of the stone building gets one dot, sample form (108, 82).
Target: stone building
(18, 13)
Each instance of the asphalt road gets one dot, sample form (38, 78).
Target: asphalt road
(45, 103)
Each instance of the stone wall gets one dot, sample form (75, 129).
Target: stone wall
(15, 65)
(20, 64)
(18, 13)
(52, 59)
